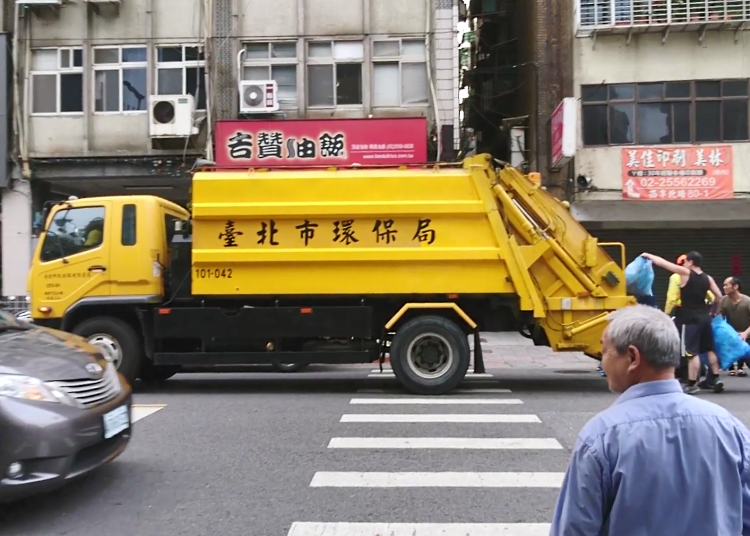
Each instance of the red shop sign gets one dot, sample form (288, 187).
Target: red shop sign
(314, 142)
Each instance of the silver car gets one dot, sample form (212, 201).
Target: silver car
(64, 410)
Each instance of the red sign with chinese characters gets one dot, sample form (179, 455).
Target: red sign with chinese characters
(681, 173)
(329, 142)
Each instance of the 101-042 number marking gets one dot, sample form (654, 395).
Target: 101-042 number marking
(213, 273)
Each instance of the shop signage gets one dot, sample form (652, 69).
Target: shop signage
(563, 133)
(677, 173)
(329, 142)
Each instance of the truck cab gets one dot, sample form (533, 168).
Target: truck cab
(101, 253)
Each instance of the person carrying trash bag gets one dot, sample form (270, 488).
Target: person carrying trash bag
(735, 308)
(696, 333)
(639, 280)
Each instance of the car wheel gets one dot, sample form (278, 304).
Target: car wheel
(119, 343)
(430, 355)
(289, 367)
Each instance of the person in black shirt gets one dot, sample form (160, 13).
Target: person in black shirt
(694, 317)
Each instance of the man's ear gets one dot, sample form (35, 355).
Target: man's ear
(634, 355)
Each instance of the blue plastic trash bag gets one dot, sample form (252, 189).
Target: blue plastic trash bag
(639, 277)
(728, 344)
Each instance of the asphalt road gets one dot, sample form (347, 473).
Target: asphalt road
(251, 454)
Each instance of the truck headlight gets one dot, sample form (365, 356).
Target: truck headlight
(29, 388)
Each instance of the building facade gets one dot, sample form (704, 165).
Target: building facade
(662, 148)
(121, 96)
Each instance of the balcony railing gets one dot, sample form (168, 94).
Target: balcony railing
(603, 16)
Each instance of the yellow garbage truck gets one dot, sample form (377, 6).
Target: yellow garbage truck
(289, 267)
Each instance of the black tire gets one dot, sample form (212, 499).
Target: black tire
(127, 339)
(454, 370)
(151, 373)
(289, 367)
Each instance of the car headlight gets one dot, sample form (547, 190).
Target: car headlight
(29, 388)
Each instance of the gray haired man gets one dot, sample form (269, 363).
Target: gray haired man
(655, 447)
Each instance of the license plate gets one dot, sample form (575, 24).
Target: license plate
(116, 421)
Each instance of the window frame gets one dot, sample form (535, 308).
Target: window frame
(57, 72)
(119, 67)
(692, 100)
(184, 65)
(311, 61)
(400, 60)
(270, 62)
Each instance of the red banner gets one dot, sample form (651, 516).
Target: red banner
(312, 142)
(682, 173)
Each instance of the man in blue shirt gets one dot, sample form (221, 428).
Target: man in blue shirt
(658, 462)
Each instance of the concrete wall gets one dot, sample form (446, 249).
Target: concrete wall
(610, 60)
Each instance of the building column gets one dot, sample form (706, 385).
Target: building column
(16, 237)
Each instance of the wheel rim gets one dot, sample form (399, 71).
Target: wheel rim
(429, 355)
(109, 347)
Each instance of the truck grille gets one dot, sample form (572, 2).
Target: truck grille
(89, 393)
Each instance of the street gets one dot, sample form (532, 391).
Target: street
(302, 454)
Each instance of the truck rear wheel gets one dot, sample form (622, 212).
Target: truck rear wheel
(117, 341)
(430, 355)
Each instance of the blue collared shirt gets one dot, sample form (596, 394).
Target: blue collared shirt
(658, 462)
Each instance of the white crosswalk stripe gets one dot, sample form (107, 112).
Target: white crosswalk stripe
(483, 424)
(141, 411)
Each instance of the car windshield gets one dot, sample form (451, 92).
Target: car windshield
(9, 322)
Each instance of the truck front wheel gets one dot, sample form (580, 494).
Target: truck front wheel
(118, 342)
(430, 355)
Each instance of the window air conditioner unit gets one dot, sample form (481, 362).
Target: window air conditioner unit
(259, 96)
(171, 116)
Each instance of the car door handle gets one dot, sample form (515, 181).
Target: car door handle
(97, 268)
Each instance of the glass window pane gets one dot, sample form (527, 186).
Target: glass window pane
(621, 124)
(44, 98)
(286, 79)
(169, 54)
(133, 55)
(385, 49)
(414, 48)
(71, 92)
(106, 55)
(195, 85)
(654, 123)
(255, 73)
(650, 91)
(319, 50)
(385, 84)
(414, 88)
(348, 83)
(708, 121)
(594, 120)
(128, 237)
(320, 85)
(594, 93)
(256, 51)
(283, 50)
(133, 89)
(73, 231)
(107, 91)
(44, 60)
(677, 90)
(169, 82)
(622, 92)
(681, 121)
(77, 57)
(348, 50)
(734, 88)
(735, 120)
(194, 54)
(707, 89)
(64, 58)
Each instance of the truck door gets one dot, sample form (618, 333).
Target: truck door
(72, 259)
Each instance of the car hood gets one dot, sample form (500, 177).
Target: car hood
(48, 354)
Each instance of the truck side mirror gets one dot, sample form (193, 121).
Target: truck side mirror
(182, 227)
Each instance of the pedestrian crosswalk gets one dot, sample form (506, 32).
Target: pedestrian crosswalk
(470, 421)
(141, 411)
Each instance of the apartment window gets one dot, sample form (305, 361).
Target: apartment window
(334, 73)
(399, 73)
(273, 61)
(120, 79)
(665, 112)
(181, 70)
(56, 81)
